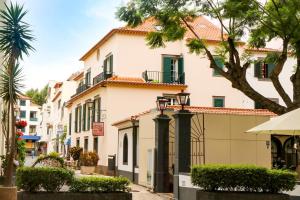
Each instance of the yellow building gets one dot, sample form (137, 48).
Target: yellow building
(218, 136)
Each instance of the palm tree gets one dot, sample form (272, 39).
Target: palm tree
(15, 38)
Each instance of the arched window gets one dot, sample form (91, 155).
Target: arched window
(125, 149)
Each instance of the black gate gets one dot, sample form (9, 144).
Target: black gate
(197, 142)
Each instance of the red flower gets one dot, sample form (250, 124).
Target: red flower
(19, 138)
(21, 124)
(19, 133)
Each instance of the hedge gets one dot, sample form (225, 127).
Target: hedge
(47, 178)
(242, 178)
(100, 184)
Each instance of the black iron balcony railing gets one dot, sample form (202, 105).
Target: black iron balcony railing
(101, 77)
(82, 88)
(163, 77)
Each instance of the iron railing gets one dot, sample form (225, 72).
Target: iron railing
(82, 88)
(101, 77)
(163, 77)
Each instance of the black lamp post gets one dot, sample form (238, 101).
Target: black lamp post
(182, 140)
(161, 104)
(183, 99)
(161, 178)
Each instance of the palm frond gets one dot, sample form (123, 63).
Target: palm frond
(17, 79)
(15, 34)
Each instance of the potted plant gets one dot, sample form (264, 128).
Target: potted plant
(88, 162)
(75, 153)
(21, 124)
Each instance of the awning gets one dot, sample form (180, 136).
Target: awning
(286, 124)
(31, 137)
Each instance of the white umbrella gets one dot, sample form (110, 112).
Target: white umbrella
(286, 124)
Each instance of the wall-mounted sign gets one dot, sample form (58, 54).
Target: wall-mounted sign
(98, 129)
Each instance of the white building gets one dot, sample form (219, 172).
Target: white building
(123, 76)
(31, 113)
(55, 116)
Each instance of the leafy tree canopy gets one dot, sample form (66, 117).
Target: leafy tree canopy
(39, 97)
(278, 19)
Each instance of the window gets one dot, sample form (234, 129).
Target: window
(78, 142)
(125, 150)
(95, 144)
(108, 64)
(33, 116)
(79, 118)
(88, 77)
(32, 129)
(173, 69)
(96, 115)
(220, 63)
(23, 114)
(171, 99)
(23, 129)
(218, 102)
(22, 103)
(258, 105)
(84, 118)
(76, 120)
(263, 70)
(86, 144)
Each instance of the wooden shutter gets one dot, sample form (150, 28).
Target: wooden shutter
(99, 110)
(79, 118)
(70, 123)
(94, 111)
(258, 69)
(167, 69)
(76, 120)
(220, 64)
(111, 63)
(105, 66)
(181, 70)
(270, 69)
(84, 118)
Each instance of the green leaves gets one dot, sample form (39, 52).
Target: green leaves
(15, 35)
(155, 39)
(38, 96)
(195, 46)
(248, 178)
(17, 78)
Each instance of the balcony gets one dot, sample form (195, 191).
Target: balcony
(163, 77)
(82, 88)
(33, 119)
(101, 77)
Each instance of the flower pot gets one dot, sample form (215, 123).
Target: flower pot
(8, 193)
(87, 169)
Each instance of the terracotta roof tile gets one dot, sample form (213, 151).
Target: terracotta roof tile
(209, 110)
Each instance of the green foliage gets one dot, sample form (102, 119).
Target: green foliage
(50, 160)
(39, 97)
(75, 152)
(49, 179)
(195, 46)
(242, 178)
(17, 77)
(89, 159)
(100, 184)
(21, 151)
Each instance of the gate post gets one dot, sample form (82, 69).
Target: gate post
(182, 146)
(162, 153)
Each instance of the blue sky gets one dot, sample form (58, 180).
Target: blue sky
(64, 31)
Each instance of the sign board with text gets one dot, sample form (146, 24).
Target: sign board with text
(98, 129)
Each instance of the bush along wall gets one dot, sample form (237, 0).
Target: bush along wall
(52, 179)
(243, 178)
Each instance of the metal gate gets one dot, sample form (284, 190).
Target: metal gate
(197, 142)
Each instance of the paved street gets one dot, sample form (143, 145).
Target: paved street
(29, 161)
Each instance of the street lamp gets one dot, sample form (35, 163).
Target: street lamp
(161, 104)
(182, 99)
(89, 103)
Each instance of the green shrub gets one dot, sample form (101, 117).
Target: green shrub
(47, 178)
(100, 184)
(75, 152)
(242, 178)
(89, 159)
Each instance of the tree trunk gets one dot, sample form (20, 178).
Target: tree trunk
(296, 77)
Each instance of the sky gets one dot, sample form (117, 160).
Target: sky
(64, 30)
